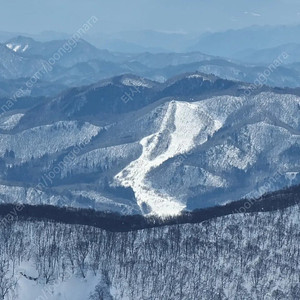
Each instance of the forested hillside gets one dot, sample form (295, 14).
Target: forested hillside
(239, 256)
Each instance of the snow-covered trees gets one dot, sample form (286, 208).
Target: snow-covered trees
(241, 256)
(8, 281)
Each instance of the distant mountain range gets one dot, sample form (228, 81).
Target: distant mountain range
(224, 43)
(269, 55)
(230, 42)
(23, 58)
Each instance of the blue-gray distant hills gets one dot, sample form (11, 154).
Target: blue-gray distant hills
(23, 58)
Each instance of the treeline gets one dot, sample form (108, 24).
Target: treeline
(123, 223)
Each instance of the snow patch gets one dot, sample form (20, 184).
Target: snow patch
(17, 47)
(135, 82)
(10, 122)
(205, 78)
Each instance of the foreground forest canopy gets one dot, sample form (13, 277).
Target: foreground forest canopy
(239, 256)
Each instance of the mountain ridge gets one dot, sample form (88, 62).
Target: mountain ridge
(153, 154)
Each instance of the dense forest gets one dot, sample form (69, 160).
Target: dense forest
(211, 254)
(239, 256)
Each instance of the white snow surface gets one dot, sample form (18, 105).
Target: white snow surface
(135, 82)
(10, 122)
(183, 123)
(17, 47)
(205, 78)
(72, 288)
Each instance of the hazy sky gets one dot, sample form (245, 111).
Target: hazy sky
(33, 16)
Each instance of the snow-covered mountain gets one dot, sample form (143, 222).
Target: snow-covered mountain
(205, 149)
(81, 51)
(132, 145)
(13, 65)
